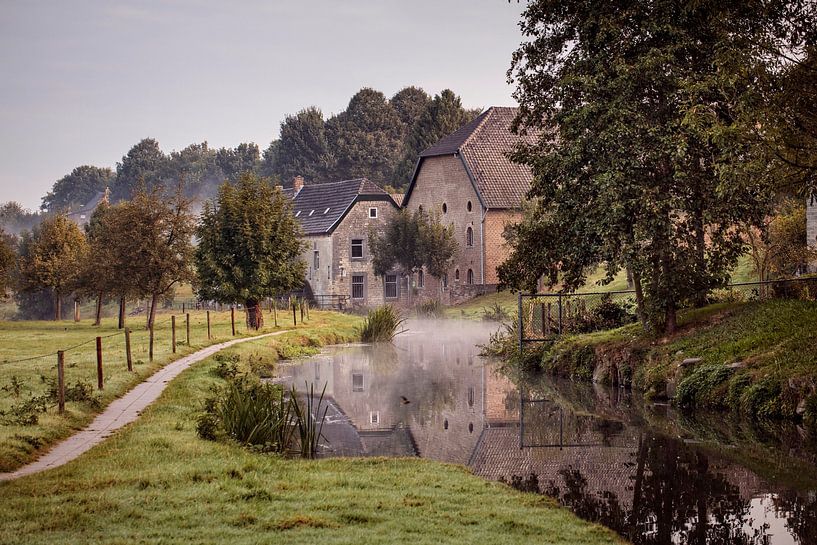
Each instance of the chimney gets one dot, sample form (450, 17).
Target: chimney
(297, 183)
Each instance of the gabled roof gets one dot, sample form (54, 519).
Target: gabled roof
(91, 205)
(321, 207)
(483, 146)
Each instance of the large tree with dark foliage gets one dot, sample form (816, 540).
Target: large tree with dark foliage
(301, 149)
(249, 246)
(365, 138)
(144, 164)
(410, 103)
(634, 103)
(77, 188)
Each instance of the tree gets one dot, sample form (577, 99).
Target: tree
(780, 249)
(144, 164)
(51, 258)
(412, 241)
(155, 232)
(8, 256)
(409, 103)
(441, 116)
(365, 138)
(77, 188)
(234, 162)
(301, 149)
(196, 166)
(15, 219)
(249, 246)
(628, 101)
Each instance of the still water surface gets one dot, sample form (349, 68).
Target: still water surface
(655, 476)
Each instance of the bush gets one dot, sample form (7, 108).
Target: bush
(227, 367)
(430, 308)
(697, 388)
(608, 314)
(380, 325)
(495, 313)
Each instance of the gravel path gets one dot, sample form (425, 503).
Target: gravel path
(121, 411)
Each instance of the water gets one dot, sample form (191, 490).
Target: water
(655, 476)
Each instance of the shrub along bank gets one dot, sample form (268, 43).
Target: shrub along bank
(756, 358)
(156, 481)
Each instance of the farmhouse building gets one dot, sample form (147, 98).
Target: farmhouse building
(336, 219)
(82, 216)
(467, 180)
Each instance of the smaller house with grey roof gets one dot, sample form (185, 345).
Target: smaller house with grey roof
(336, 218)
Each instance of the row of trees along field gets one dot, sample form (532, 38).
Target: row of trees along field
(143, 248)
(375, 137)
(667, 130)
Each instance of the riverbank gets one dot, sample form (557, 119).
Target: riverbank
(156, 481)
(29, 422)
(756, 359)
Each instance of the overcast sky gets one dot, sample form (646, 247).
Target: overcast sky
(83, 81)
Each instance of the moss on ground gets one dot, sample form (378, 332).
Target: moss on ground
(155, 481)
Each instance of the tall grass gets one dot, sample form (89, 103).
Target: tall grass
(380, 325)
(265, 417)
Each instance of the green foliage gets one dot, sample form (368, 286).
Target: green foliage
(8, 256)
(632, 163)
(52, 258)
(780, 249)
(16, 219)
(700, 387)
(495, 313)
(302, 148)
(309, 419)
(431, 308)
(608, 314)
(77, 188)
(409, 103)
(257, 218)
(227, 365)
(144, 166)
(412, 241)
(380, 325)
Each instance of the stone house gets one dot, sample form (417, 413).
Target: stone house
(467, 180)
(82, 216)
(336, 219)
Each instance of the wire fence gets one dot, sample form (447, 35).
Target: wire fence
(543, 316)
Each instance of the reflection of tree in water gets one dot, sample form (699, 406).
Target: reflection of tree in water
(674, 494)
(801, 515)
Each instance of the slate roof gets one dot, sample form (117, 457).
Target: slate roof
(483, 145)
(321, 207)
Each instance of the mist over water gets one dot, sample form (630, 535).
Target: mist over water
(654, 475)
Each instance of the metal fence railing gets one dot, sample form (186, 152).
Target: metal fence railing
(543, 316)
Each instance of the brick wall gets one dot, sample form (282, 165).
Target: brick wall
(496, 247)
(356, 225)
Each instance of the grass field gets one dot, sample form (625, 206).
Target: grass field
(155, 481)
(27, 383)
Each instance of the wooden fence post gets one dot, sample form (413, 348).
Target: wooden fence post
(173, 332)
(61, 381)
(294, 319)
(99, 380)
(187, 319)
(232, 318)
(76, 310)
(274, 313)
(302, 310)
(150, 351)
(184, 310)
(127, 349)
(208, 325)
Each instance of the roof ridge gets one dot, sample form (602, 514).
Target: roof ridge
(486, 115)
(336, 182)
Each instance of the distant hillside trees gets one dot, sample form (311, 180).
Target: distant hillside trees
(77, 188)
(301, 148)
(16, 219)
(8, 257)
(249, 246)
(51, 258)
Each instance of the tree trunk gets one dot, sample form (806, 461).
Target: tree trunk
(98, 315)
(58, 307)
(639, 300)
(122, 312)
(671, 319)
(255, 314)
(152, 312)
(700, 256)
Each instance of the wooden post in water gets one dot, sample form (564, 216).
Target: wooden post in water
(99, 381)
(61, 381)
(127, 349)
(187, 325)
(173, 332)
(232, 318)
(208, 325)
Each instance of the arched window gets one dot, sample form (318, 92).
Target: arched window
(421, 279)
(469, 236)
(456, 275)
(469, 206)
(445, 208)
(470, 276)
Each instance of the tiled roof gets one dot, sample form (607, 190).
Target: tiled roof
(483, 145)
(397, 198)
(320, 207)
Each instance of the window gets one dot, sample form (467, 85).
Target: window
(470, 277)
(445, 280)
(445, 208)
(357, 248)
(328, 272)
(391, 286)
(421, 279)
(471, 396)
(326, 211)
(469, 236)
(311, 212)
(357, 382)
(317, 261)
(456, 275)
(298, 213)
(373, 213)
(358, 286)
(374, 417)
(445, 424)
(469, 206)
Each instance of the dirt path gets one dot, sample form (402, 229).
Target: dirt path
(121, 411)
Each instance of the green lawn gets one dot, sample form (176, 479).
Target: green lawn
(155, 481)
(22, 381)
